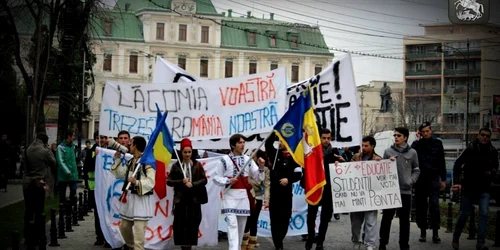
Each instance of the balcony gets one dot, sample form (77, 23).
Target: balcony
(462, 72)
(423, 56)
(461, 55)
(411, 91)
(459, 108)
(423, 72)
(460, 90)
(459, 128)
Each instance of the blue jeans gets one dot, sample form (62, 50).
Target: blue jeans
(466, 209)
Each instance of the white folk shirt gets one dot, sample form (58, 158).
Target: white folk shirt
(235, 201)
(138, 206)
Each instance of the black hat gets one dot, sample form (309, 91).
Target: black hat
(425, 124)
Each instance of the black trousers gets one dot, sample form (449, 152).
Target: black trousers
(251, 225)
(280, 211)
(97, 223)
(404, 223)
(325, 217)
(34, 204)
(63, 185)
(427, 199)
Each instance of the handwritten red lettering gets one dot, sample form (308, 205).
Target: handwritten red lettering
(375, 168)
(158, 207)
(206, 126)
(169, 234)
(252, 90)
(117, 223)
(151, 234)
(199, 233)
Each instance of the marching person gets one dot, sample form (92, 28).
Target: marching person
(261, 189)
(479, 163)
(330, 155)
(407, 165)
(124, 138)
(432, 179)
(137, 209)
(369, 218)
(284, 173)
(188, 179)
(238, 200)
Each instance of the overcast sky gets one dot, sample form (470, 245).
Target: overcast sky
(367, 26)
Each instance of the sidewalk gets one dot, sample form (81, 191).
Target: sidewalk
(14, 194)
(338, 237)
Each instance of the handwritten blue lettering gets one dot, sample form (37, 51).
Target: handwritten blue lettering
(256, 119)
(134, 125)
(297, 222)
(264, 224)
(107, 161)
(297, 189)
(112, 193)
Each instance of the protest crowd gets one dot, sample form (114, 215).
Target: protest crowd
(251, 182)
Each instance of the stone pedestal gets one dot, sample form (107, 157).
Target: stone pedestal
(384, 121)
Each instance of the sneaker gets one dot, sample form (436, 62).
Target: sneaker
(455, 245)
(369, 248)
(482, 247)
(382, 247)
(99, 243)
(356, 245)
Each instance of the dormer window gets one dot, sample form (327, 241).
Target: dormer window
(272, 41)
(294, 42)
(252, 38)
(108, 28)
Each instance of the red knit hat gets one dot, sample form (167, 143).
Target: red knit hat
(186, 143)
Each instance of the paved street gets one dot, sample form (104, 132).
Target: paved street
(339, 237)
(14, 194)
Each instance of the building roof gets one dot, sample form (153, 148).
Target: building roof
(203, 7)
(235, 32)
(126, 26)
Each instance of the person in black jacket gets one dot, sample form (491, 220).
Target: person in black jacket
(330, 155)
(479, 163)
(284, 172)
(432, 180)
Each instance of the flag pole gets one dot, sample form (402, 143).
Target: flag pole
(248, 162)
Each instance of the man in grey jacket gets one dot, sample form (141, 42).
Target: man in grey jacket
(407, 164)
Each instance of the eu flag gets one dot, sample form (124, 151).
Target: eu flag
(299, 133)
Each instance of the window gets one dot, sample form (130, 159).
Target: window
(273, 66)
(108, 28)
(160, 31)
(295, 73)
(252, 38)
(294, 42)
(272, 41)
(132, 68)
(252, 68)
(317, 69)
(476, 83)
(229, 69)
(420, 84)
(476, 101)
(452, 83)
(453, 103)
(182, 32)
(420, 49)
(204, 34)
(419, 66)
(204, 67)
(181, 62)
(107, 65)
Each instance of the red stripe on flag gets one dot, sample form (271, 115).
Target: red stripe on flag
(314, 175)
(160, 180)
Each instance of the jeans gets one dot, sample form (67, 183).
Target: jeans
(466, 209)
(62, 190)
(404, 223)
(252, 221)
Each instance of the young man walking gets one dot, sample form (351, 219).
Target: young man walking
(369, 218)
(137, 210)
(236, 202)
(407, 165)
(432, 180)
(479, 164)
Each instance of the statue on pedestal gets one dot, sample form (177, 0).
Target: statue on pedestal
(386, 99)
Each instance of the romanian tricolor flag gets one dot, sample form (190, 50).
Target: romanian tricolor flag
(299, 133)
(158, 153)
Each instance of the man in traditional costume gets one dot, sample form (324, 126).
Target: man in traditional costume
(238, 200)
(136, 208)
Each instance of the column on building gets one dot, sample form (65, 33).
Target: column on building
(241, 63)
(307, 68)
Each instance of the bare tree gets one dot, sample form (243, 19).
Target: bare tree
(419, 109)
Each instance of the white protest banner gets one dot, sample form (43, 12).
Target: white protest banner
(335, 102)
(198, 110)
(365, 186)
(298, 220)
(159, 234)
(167, 72)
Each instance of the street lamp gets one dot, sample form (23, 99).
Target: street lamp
(439, 49)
